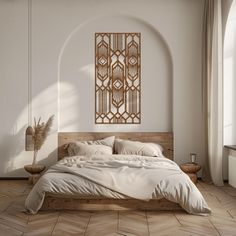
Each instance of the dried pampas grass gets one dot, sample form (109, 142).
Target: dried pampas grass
(40, 133)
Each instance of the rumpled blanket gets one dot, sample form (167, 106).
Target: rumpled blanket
(121, 176)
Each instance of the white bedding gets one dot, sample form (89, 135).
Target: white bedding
(118, 176)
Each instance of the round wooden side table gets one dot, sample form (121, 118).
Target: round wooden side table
(35, 172)
(191, 170)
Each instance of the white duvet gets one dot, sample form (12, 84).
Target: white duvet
(118, 176)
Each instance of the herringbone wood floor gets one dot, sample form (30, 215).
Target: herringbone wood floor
(14, 222)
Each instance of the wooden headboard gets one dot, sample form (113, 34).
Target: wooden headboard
(165, 139)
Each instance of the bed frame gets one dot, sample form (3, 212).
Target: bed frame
(165, 139)
(57, 202)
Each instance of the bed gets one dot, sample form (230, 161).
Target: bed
(54, 200)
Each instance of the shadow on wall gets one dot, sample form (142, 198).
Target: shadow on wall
(77, 91)
(13, 154)
(49, 160)
(11, 146)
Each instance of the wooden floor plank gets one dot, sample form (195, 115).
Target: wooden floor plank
(70, 223)
(196, 224)
(162, 223)
(224, 226)
(133, 223)
(9, 231)
(102, 223)
(229, 190)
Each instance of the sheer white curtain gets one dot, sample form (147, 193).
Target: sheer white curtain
(213, 87)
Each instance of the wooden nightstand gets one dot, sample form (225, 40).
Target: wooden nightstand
(35, 172)
(191, 170)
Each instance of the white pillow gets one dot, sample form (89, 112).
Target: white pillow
(109, 141)
(81, 149)
(128, 147)
(104, 146)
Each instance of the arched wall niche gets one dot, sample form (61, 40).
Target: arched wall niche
(77, 85)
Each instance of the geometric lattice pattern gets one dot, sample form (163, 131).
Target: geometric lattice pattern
(118, 78)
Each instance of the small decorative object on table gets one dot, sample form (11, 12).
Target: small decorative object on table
(193, 157)
(191, 170)
(35, 137)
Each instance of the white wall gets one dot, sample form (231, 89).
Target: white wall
(225, 7)
(13, 85)
(229, 78)
(62, 69)
(77, 69)
(229, 84)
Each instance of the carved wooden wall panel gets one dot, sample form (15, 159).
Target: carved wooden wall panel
(118, 78)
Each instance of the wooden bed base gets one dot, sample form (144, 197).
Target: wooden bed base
(55, 202)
